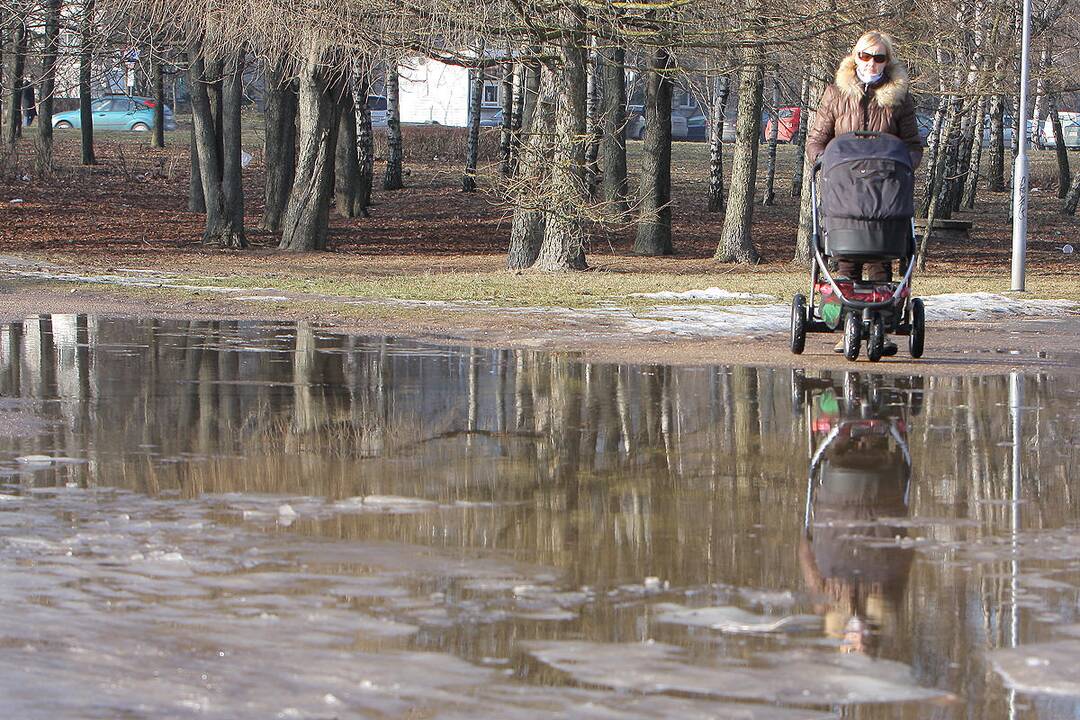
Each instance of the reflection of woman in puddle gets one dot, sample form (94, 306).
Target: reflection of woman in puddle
(850, 559)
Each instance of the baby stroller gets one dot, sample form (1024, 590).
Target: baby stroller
(867, 207)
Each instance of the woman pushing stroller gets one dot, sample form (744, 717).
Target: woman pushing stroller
(870, 94)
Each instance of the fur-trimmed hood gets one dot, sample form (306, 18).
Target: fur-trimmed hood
(890, 92)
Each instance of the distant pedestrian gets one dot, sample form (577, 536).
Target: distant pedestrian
(29, 105)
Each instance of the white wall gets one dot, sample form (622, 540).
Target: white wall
(432, 91)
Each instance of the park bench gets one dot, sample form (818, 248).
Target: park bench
(945, 230)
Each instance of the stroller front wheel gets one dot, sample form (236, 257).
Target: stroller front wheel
(798, 324)
(917, 336)
(852, 335)
(875, 344)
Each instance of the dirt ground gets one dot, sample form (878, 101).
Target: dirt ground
(130, 211)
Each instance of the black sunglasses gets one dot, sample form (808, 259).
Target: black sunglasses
(866, 57)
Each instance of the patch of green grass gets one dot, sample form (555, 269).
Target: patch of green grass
(582, 290)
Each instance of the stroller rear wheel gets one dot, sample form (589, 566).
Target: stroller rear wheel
(852, 335)
(875, 344)
(917, 335)
(798, 324)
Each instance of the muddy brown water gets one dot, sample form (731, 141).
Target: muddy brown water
(260, 520)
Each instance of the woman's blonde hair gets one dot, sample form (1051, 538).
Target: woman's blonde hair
(875, 37)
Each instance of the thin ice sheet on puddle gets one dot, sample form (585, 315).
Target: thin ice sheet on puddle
(1049, 668)
(808, 677)
(729, 619)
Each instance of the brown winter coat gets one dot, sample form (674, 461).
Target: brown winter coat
(849, 105)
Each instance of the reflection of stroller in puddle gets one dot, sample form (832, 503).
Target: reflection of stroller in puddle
(860, 475)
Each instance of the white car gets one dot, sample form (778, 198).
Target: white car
(635, 124)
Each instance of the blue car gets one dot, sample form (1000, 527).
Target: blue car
(117, 112)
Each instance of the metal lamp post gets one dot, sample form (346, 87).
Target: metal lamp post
(1020, 171)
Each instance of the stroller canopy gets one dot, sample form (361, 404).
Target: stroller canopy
(867, 176)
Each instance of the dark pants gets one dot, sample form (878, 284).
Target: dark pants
(876, 271)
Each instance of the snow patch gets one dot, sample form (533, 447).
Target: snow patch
(712, 293)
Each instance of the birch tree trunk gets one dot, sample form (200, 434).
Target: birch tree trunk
(716, 144)
(394, 160)
(365, 140)
(472, 152)
(654, 215)
(799, 141)
(971, 188)
(804, 237)
(279, 146)
(736, 243)
(770, 159)
(995, 179)
(507, 131)
(306, 220)
(613, 132)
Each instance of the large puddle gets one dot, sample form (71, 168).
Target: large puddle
(252, 520)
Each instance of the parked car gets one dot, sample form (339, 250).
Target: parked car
(788, 126)
(117, 112)
(1070, 130)
(495, 119)
(697, 128)
(635, 124)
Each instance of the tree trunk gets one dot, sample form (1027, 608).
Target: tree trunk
(221, 214)
(347, 188)
(506, 136)
(196, 196)
(306, 219)
(593, 126)
(716, 144)
(157, 140)
(86, 56)
(231, 141)
(613, 131)
(16, 68)
(472, 150)
(770, 159)
(365, 140)
(804, 238)
(564, 231)
(1073, 197)
(736, 243)
(1062, 153)
(532, 171)
(799, 141)
(394, 160)
(971, 188)
(654, 217)
(996, 173)
(48, 78)
(279, 146)
(962, 162)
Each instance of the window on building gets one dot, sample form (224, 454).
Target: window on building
(491, 93)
